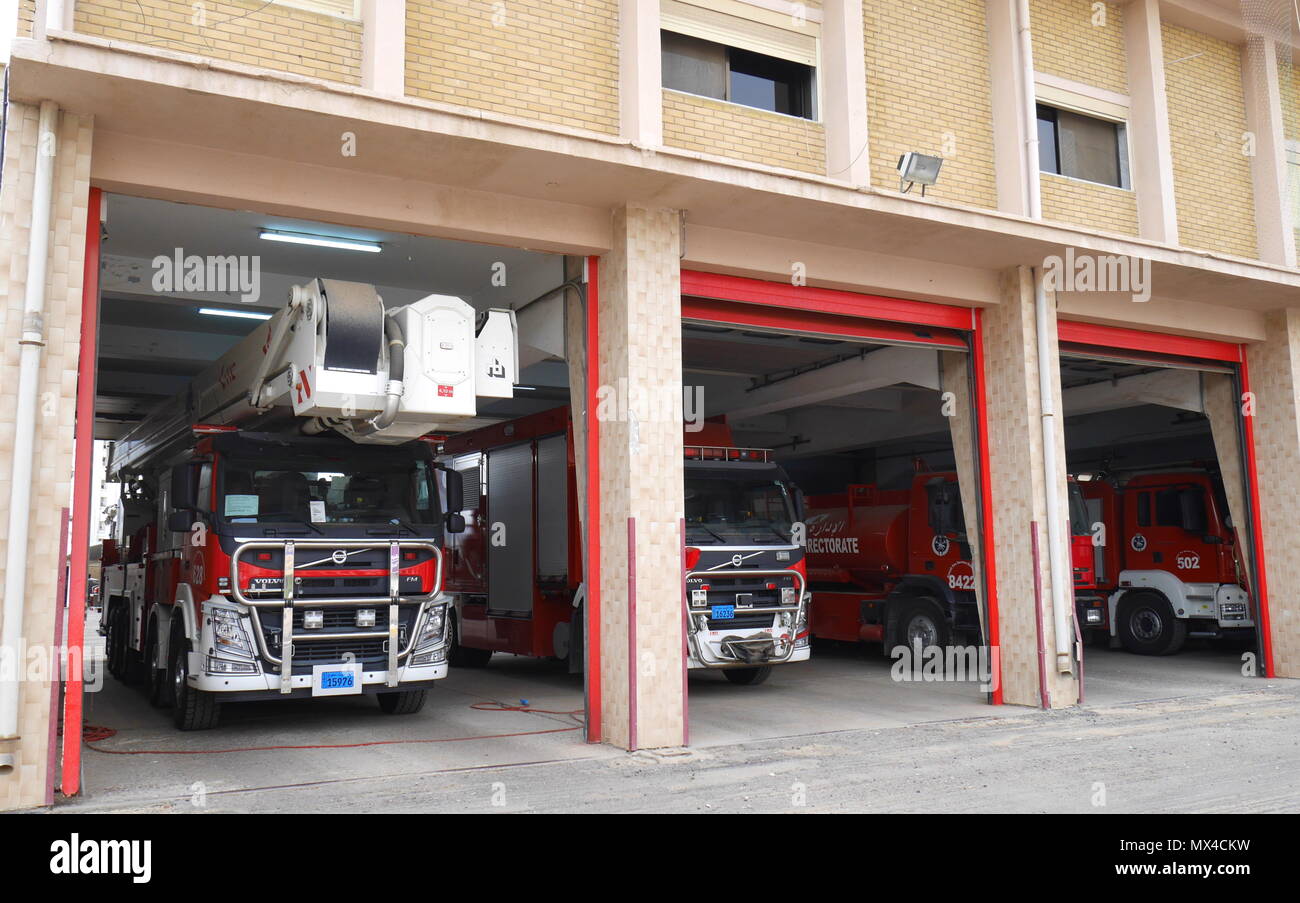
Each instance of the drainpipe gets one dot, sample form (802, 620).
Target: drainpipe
(1058, 561)
(29, 363)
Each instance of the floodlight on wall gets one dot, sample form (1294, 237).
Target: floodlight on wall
(917, 169)
(322, 241)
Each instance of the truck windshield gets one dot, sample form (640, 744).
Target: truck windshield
(1079, 525)
(329, 492)
(724, 509)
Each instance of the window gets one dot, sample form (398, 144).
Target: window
(1144, 509)
(697, 66)
(1082, 147)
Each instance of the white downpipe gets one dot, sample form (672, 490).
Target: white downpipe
(1057, 544)
(29, 364)
(1029, 101)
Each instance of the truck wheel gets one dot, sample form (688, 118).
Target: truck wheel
(113, 641)
(920, 620)
(192, 710)
(748, 677)
(459, 656)
(155, 678)
(1147, 625)
(403, 702)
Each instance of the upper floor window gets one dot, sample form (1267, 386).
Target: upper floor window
(1082, 147)
(742, 53)
(740, 76)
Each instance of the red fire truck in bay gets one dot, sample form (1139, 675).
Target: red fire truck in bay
(892, 566)
(280, 530)
(516, 570)
(1171, 566)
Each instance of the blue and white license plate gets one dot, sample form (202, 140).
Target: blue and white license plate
(724, 612)
(335, 680)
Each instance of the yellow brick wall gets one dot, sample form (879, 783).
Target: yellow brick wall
(1074, 41)
(928, 90)
(1213, 191)
(743, 133)
(26, 16)
(549, 60)
(239, 31)
(1088, 204)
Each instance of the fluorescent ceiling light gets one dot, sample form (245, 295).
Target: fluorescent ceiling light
(227, 312)
(346, 244)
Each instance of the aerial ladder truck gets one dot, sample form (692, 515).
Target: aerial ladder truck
(281, 523)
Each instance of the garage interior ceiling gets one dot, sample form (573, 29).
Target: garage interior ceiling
(151, 344)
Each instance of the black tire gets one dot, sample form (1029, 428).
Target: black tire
(113, 641)
(459, 656)
(155, 678)
(403, 702)
(1147, 625)
(920, 619)
(748, 677)
(192, 710)
(130, 669)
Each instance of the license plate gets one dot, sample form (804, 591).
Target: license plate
(724, 612)
(335, 680)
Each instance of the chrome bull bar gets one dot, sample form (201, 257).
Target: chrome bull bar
(286, 600)
(735, 647)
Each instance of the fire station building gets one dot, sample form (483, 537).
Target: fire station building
(1013, 240)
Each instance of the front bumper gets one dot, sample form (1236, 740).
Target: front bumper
(248, 687)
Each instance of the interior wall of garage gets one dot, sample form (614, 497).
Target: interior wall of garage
(955, 378)
(25, 786)
(1019, 491)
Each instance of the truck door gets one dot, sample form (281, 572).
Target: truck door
(1167, 532)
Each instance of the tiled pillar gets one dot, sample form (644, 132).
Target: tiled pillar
(1153, 166)
(845, 99)
(56, 401)
(1019, 490)
(1275, 380)
(383, 46)
(640, 482)
(1273, 225)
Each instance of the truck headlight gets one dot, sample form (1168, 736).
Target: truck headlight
(435, 621)
(228, 634)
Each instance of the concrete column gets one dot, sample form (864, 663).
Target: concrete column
(1273, 228)
(1006, 82)
(640, 73)
(1153, 161)
(844, 93)
(24, 787)
(1020, 492)
(640, 482)
(51, 15)
(383, 46)
(1275, 380)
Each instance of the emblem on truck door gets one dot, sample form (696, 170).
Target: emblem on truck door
(940, 545)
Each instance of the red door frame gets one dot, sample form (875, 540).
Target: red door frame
(591, 553)
(83, 465)
(779, 305)
(1205, 349)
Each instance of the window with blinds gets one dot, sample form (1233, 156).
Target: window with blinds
(739, 53)
(1082, 147)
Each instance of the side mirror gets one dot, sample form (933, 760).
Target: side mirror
(455, 522)
(184, 486)
(180, 521)
(455, 491)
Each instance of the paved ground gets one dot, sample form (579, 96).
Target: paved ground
(1186, 733)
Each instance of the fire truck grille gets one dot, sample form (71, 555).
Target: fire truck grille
(742, 592)
(369, 652)
(741, 621)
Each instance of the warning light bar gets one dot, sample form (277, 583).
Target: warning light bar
(725, 453)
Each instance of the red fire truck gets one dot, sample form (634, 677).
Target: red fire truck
(892, 566)
(515, 572)
(280, 527)
(1171, 565)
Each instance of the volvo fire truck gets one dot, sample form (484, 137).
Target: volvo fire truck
(892, 566)
(1171, 566)
(516, 570)
(280, 531)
